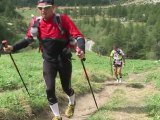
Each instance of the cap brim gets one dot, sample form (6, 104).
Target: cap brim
(43, 5)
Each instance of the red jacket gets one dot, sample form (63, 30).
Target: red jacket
(49, 29)
(52, 41)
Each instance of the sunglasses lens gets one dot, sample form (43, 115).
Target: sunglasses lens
(45, 8)
(40, 8)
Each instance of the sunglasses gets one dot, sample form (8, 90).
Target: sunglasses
(45, 7)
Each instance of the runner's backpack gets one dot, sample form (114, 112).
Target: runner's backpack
(34, 27)
(118, 51)
(57, 19)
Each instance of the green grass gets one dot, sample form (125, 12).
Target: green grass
(154, 77)
(152, 101)
(153, 106)
(30, 67)
(13, 97)
(137, 66)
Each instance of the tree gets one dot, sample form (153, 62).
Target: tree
(8, 19)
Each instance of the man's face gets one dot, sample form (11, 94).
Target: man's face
(46, 11)
(115, 47)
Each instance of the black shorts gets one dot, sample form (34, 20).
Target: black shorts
(117, 63)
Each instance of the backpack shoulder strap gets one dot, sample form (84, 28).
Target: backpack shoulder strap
(119, 52)
(35, 26)
(58, 20)
(37, 22)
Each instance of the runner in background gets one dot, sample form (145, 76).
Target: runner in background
(117, 59)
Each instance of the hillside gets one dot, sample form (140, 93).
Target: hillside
(136, 28)
(138, 2)
(124, 101)
(25, 3)
(15, 103)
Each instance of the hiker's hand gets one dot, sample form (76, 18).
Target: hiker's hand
(80, 53)
(8, 48)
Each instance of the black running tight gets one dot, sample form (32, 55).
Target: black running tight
(50, 70)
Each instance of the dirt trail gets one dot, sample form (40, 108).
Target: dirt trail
(133, 109)
(85, 106)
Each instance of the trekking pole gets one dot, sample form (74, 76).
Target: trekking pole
(111, 67)
(4, 43)
(88, 81)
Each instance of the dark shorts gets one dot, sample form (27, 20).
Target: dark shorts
(117, 63)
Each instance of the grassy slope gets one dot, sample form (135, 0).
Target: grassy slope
(13, 94)
(150, 101)
(13, 98)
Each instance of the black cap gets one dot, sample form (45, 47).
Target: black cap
(46, 1)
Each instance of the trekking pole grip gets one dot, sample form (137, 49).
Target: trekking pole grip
(4, 43)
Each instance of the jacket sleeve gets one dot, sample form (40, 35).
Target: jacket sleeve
(22, 44)
(73, 31)
(111, 54)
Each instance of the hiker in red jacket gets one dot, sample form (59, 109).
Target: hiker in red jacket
(55, 33)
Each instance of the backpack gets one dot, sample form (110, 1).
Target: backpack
(116, 54)
(57, 19)
(118, 51)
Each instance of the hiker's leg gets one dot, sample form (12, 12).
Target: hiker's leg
(120, 72)
(116, 72)
(49, 74)
(65, 72)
